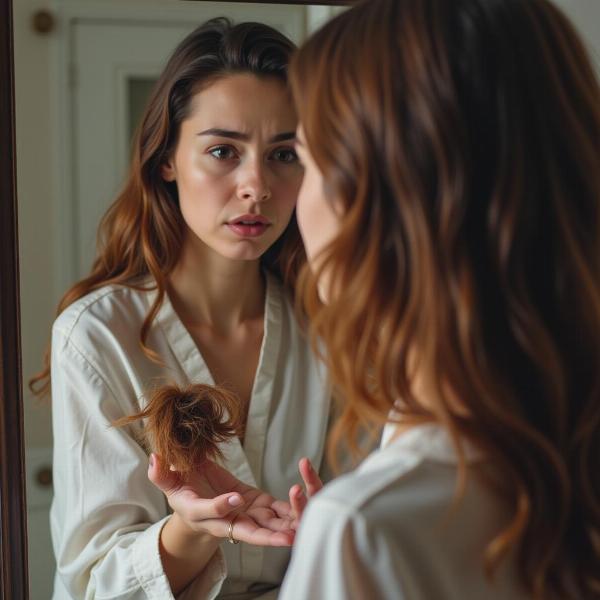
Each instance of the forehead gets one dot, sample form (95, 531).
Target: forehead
(244, 102)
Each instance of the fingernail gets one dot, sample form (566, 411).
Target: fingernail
(152, 460)
(234, 500)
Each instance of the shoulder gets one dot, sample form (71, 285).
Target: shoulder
(96, 341)
(344, 550)
(110, 317)
(405, 496)
(376, 510)
(397, 484)
(105, 306)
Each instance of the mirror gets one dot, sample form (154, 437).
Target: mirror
(69, 166)
(46, 58)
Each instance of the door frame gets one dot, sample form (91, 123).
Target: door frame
(13, 533)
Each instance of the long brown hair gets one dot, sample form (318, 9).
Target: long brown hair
(462, 140)
(142, 232)
(186, 426)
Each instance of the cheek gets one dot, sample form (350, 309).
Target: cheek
(302, 210)
(318, 223)
(201, 192)
(286, 194)
(198, 176)
(308, 212)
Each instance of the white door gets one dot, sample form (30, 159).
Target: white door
(114, 65)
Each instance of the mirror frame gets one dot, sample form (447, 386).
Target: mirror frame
(13, 506)
(13, 524)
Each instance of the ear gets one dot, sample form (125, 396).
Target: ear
(167, 171)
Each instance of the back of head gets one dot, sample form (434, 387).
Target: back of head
(463, 141)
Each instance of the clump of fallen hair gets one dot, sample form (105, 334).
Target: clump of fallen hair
(185, 426)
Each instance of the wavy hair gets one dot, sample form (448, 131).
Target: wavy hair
(185, 426)
(141, 233)
(462, 140)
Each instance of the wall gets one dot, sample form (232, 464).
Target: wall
(35, 178)
(585, 14)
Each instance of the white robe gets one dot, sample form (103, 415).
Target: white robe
(106, 515)
(387, 532)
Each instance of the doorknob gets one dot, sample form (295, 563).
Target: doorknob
(43, 22)
(44, 476)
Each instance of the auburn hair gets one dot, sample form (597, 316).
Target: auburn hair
(141, 233)
(462, 141)
(186, 425)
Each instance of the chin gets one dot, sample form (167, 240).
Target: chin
(244, 254)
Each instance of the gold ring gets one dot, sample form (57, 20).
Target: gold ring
(232, 540)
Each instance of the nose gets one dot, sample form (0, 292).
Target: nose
(254, 185)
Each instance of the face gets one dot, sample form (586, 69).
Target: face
(318, 221)
(235, 166)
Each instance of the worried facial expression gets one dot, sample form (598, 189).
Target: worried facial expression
(235, 166)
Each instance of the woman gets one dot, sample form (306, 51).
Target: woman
(190, 286)
(451, 216)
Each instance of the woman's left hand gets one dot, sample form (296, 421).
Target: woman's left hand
(202, 497)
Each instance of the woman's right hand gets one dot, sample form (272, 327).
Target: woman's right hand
(298, 497)
(207, 499)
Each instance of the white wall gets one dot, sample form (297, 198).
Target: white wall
(585, 14)
(35, 182)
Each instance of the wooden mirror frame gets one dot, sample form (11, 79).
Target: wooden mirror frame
(13, 524)
(13, 507)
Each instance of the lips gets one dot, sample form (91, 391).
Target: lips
(250, 220)
(249, 226)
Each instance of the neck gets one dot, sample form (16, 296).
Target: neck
(210, 290)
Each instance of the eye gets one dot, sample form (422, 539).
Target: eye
(285, 155)
(223, 152)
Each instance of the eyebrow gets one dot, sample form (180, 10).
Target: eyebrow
(238, 135)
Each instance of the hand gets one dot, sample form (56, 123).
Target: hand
(298, 498)
(207, 499)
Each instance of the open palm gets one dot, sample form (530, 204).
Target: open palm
(203, 499)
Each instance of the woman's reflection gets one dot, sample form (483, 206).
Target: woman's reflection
(197, 260)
